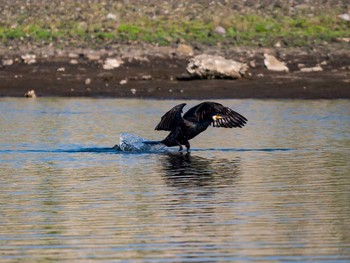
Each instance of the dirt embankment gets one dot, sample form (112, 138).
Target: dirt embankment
(160, 72)
(59, 48)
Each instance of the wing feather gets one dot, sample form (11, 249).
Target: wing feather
(171, 119)
(205, 111)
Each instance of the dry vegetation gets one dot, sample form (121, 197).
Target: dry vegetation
(98, 23)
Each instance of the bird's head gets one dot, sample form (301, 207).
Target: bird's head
(216, 117)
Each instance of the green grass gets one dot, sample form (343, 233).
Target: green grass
(241, 30)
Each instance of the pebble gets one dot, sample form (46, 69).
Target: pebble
(93, 57)
(185, 50)
(74, 61)
(343, 39)
(278, 44)
(345, 17)
(29, 59)
(87, 81)
(7, 62)
(123, 82)
(30, 94)
(133, 91)
(274, 64)
(313, 69)
(112, 16)
(220, 30)
(252, 63)
(146, 77)
(112, 63)
(73, 55)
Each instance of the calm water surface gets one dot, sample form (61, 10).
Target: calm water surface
(277, 190)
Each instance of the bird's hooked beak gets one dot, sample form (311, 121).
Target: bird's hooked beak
(217, 117)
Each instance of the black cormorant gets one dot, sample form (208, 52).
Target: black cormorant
(196, 120)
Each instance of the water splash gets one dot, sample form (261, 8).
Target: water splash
(132, 143)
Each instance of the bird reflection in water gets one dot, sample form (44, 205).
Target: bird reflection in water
(185, 170)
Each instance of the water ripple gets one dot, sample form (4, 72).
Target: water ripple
(275, 191)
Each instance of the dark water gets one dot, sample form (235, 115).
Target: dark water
(277, 190)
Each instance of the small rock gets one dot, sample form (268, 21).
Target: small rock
(343, 39)
(123, 82)
(345, 68)
(112, 63)
(323, 63)
(260, 75)
(274, 64)
(133, 91)
(7, 62)
(146, 77)
(220, 30)
(301, 65)
(185, 50)
(29, 59)
(93, 57)
(252, 63)
(139, 58)
(345, 17)
(87, 81)
(112, 16)
(30, 94)
(73, 55)
(83, 25)
(278, 44)
(313, 69)
(74, 62)
(61, 69)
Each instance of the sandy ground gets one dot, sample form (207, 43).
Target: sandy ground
(163, 75)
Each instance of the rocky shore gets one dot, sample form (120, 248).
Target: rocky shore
(147, 71)
(293, 49)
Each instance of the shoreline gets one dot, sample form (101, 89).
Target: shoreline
(160, 73)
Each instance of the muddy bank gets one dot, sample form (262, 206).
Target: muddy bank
(162, 74)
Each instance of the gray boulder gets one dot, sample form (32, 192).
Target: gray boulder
(210, 66)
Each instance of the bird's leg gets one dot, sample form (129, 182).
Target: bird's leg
(178, 143)
(175, 134)
(188, 146)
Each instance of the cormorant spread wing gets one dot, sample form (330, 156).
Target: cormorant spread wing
(172, 119)
(219, 115)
